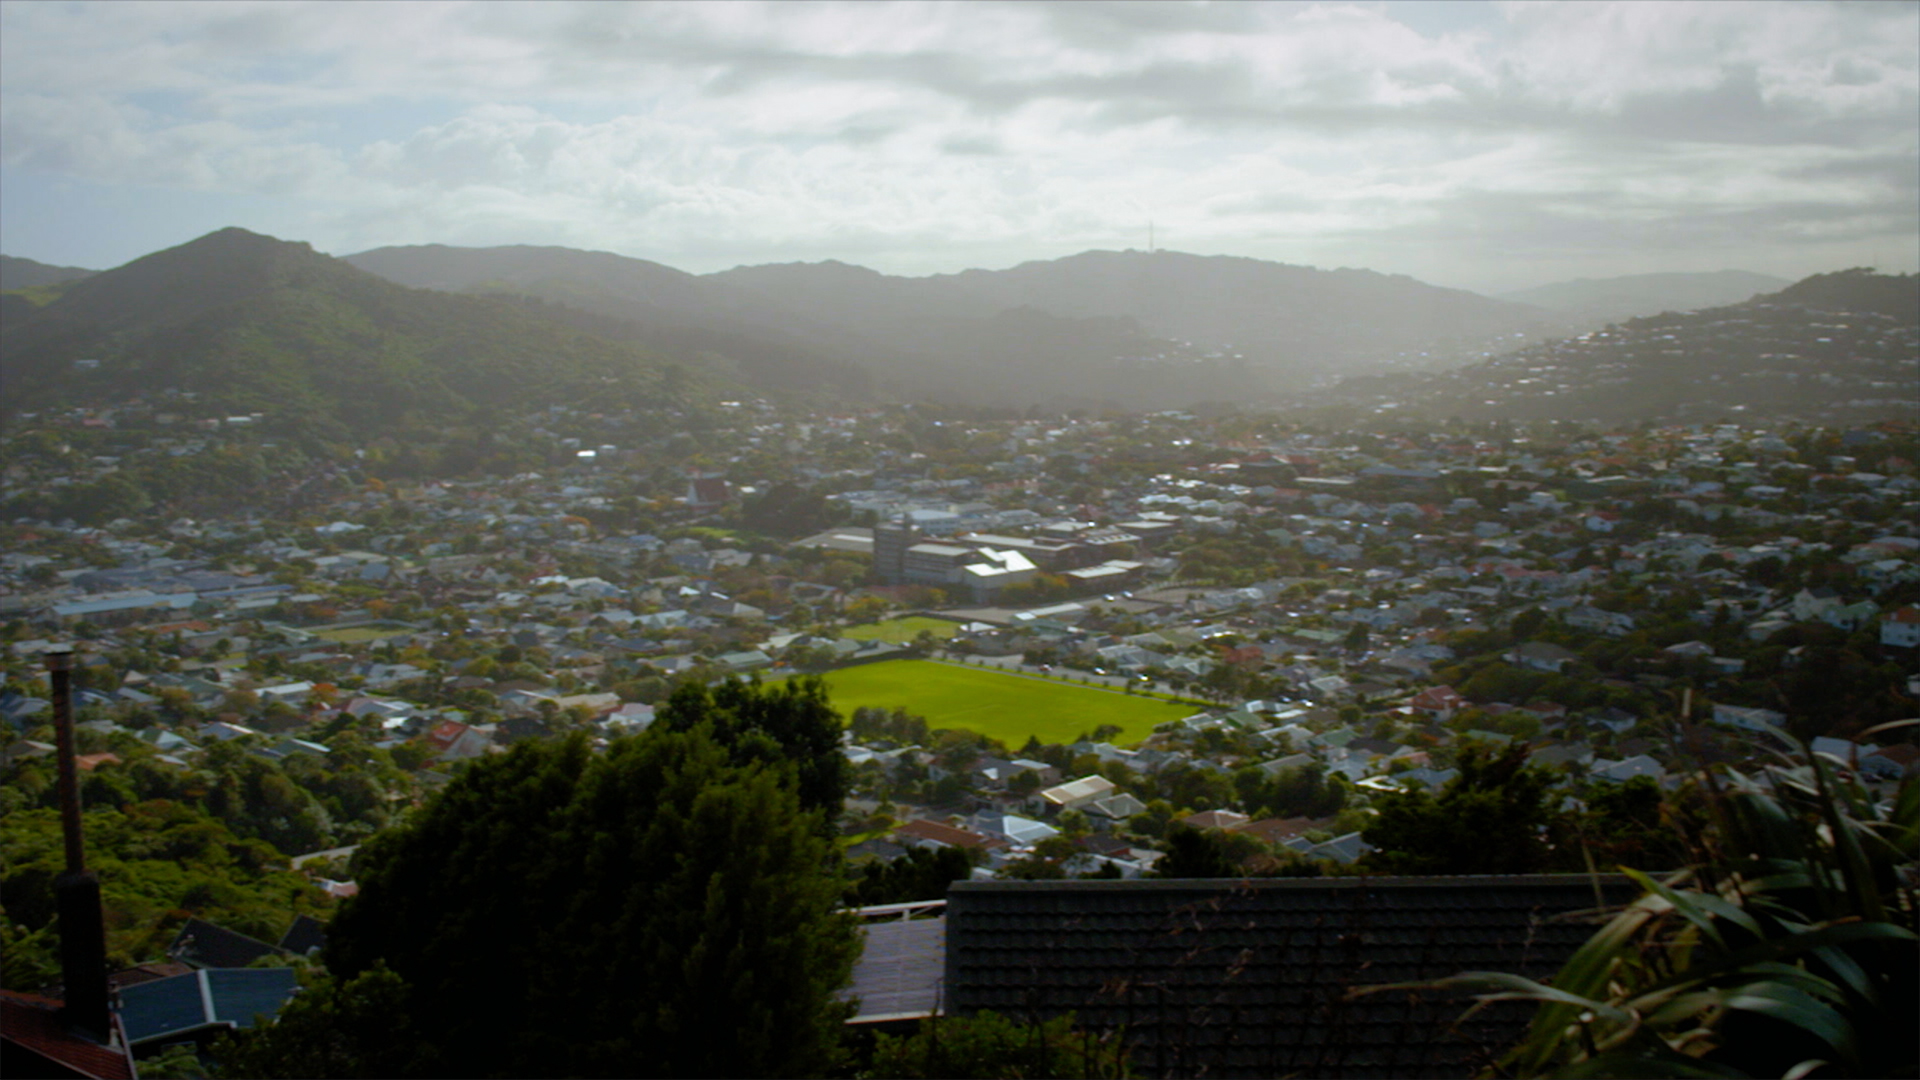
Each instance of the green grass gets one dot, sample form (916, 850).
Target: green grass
(902, 631)
(360, 635)
(997, 704)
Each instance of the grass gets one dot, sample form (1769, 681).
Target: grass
(997, 704)
(360, 635)
(902, 631)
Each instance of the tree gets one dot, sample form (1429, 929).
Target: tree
(920, 874)
(791, 721)
(865, 609)
(355, 1029)
(987, 1044)
(1198, 853)
(1490, 819)
(555, 911)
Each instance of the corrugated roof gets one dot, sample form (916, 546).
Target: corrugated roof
(1249, 978)
(898, 974)
(230, 997)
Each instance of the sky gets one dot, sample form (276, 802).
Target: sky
(1488, 146)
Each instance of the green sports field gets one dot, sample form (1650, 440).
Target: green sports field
(902, 631)
(997, 704)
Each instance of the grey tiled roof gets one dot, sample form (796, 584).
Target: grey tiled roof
(1249, 978)
(205, 945)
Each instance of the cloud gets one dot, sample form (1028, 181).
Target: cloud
(703, 132)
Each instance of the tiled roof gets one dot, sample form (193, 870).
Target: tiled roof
(304, 936)
(205, 945)
(922, 829)
(1248, 978)
(31, 1027)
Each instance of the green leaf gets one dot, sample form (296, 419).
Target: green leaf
(1788, 1004)
(1699, 908)
(1502, 986)
(1648, 1066)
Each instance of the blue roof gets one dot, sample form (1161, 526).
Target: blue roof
(182, 1004)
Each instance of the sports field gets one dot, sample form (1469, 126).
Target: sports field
(360, 635)
(997, 704)
(903, 631)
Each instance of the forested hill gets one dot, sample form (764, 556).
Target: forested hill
(249, 323)
(17, 273)
(1840, 347)
(1897, 296)
(661, 309)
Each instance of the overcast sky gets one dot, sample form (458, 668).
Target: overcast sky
(1485, 146)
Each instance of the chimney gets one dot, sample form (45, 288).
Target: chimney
(83, 944)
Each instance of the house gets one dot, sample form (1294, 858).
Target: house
(1077, 794)
(201, 1004)
(206, 945)
(1438, 702)
(1749, 719)
(36, 1040)
(1620, 772)
(451, 740)
(1018, 831)
(707, 493)
(1901, 628)
(933, 834)
(745, 661)
(1119, 807)
(1215, 819)
(1251, 978)
(1541, 656)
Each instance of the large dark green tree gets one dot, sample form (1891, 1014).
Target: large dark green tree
(1491, 819)
(791, 721)
(558, 912)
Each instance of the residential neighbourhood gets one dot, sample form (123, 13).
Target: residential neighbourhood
(1330, 618)
(1356, 605)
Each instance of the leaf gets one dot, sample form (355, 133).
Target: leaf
(1509, 987)
(1781, 948)
(1700, 908)
(1627, 1066)
(1779, 1001)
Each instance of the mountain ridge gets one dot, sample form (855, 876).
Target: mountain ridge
(1636, 295)
(1833, 348)
(19, 273)
(1120, 329)
(250, 322)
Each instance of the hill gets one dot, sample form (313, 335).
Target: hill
(1612, 299)
(17, 273)
(651, 305)
(1100, 329)
(1841, 347)
(1228, 327)
(249, 323)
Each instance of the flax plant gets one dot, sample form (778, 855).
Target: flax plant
(1787, 949)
